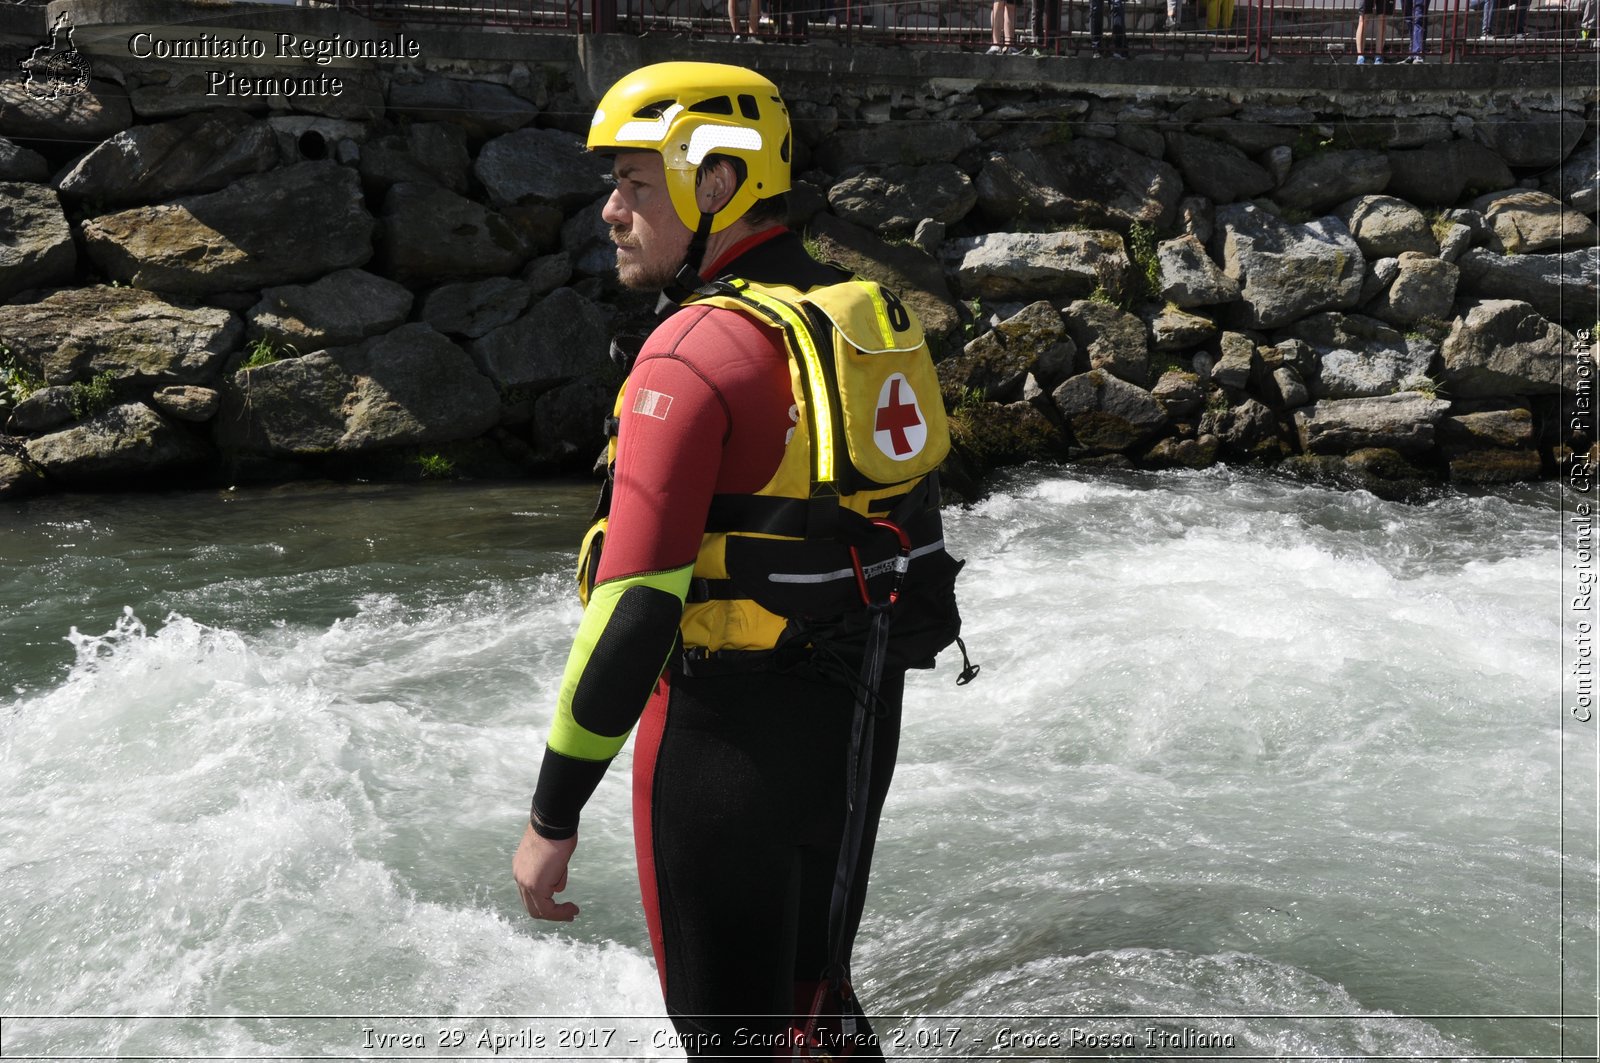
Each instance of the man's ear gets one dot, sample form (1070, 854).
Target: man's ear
(718, 186)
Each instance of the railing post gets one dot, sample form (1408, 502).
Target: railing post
(603, 16)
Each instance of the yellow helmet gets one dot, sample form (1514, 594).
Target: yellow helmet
(687, 111)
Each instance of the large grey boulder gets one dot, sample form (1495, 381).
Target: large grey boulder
(19, 477)
(1384, 226)
(482, 109)
(1218, 171)
(148, 164)
(1360, 356)
(1033, 123)
(543, 275)
(36, 248)
(410, 386)
(992, 434)
(568, 421)
(1172, 329)
(429, 152)
(431, 235)
(79, 333)
(1424, 290)
(1495, 444)
(187, 402)
(309, 137)
(85, 117)
(895, 143)
(20, 164)
(1495, 466)
(1250, 137)
(476, 308)
(913, 276)
(126, 443)
(47, 408)
(1577, 181)
(563, 337)
(1029, 266)
(1530, 139)
(337, 310)
(1179, 393)
(1502, 347)
(892, 201)
(1404, 422)
(1237, 356)
(1087, 181)
(1286, 271)
(998, 362)
(1110, 339)
(1561, 287)
(1331, 177)
(1291, 388)
(1438, 175)
(541, 166)
(1189, 277)
(1107, 414)
(1247, 430)
(1508, 426)
(586, 240)
(277, 227)
(1525, 221)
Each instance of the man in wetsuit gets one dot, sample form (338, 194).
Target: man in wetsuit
(740, 768)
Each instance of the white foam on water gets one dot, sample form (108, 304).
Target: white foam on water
(198, 822)
(1237, 747)
(1310, 728)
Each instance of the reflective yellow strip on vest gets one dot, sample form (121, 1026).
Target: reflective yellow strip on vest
(820, 408)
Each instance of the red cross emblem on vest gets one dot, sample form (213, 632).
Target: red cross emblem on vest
(898, 428)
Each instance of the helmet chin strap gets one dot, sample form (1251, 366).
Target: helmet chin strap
(687, 280)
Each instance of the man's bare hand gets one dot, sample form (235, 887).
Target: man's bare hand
(540, 868)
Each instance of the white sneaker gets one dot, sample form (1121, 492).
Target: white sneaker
(994, 49)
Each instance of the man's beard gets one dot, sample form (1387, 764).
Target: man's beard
(640, 275)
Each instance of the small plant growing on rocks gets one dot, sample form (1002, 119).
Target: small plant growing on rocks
(264, 352)
(1142, 249)
(93, 397)
(1423, 384)
(436, 467)
(16, 383)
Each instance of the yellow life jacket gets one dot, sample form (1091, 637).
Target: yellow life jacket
(851, 516)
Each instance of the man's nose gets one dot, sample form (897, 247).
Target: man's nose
(615, 212)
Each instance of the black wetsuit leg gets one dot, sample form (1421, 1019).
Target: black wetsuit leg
(745, 810)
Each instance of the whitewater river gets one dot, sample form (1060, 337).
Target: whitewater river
(1253, 769)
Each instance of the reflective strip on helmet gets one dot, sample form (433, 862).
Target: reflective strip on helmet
(651, 131)
(708, 138)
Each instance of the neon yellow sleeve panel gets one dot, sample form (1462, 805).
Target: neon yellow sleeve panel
(622, 645)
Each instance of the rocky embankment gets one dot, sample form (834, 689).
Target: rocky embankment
(418, 282)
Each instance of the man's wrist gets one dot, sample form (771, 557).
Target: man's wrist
(554, 832)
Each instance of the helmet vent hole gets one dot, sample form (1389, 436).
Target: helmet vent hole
(715, 105)
(783, 152)
(748, 108)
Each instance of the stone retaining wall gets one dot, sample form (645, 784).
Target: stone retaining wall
(409, 277)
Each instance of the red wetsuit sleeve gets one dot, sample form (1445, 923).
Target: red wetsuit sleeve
(706, 411)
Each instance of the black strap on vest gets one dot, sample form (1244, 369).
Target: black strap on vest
(863, 724)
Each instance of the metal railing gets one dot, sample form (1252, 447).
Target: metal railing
(1258, 30)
